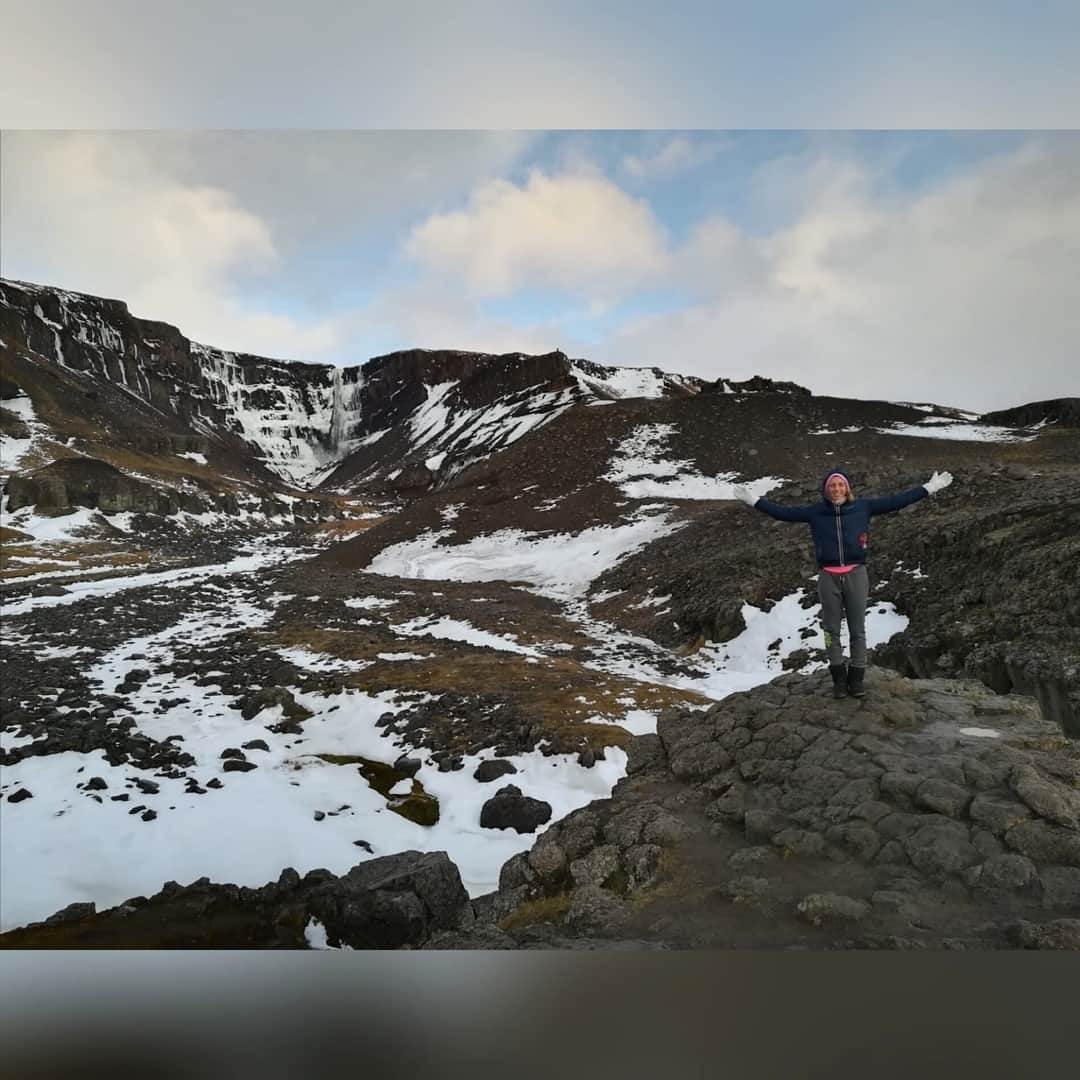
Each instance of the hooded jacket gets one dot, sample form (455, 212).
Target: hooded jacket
(841, 533)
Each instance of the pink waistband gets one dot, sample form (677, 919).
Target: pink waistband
(839, 569)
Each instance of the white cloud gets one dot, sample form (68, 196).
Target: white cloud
(103, 216)
(966, 293)
(433, 315)
(575, 231)
(676, 155)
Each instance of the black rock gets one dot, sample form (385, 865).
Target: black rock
(509, 809)
(147, 787)
(214, 783)
(255, 744)
(149, 815)
(392, 901)
(232, 752)
(410, 766)
(320, 815)
(236, 765)
(492, 770)
(71, 913)
(120, 798)
(20, 795)
(365, 845)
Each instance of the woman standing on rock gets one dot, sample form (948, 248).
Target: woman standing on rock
(840, 525)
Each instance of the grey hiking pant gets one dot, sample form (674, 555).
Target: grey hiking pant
(844, 595)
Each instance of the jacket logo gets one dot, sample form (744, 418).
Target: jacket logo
(862, 539)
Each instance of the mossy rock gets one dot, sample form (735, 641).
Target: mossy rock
(418, 806)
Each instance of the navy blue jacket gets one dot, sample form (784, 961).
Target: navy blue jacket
(841, 533)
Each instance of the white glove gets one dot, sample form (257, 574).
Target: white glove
(743, 495)
(937, 482)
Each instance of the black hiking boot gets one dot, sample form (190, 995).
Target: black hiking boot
(839, 674)
(855, 681)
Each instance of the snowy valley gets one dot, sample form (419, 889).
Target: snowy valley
(268, 622)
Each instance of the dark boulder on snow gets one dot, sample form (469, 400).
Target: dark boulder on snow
(487, 771)
(396, 901)
(238, 765)
(410, 766)
(509, 809)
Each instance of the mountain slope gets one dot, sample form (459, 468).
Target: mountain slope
(302, 423)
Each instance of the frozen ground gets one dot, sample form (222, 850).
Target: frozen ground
(642, 471)
(296, 809)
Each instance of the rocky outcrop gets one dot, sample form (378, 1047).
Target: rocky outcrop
(487, 771)
(85, 481)
(393, 902)
(1010, 612)
(758, 384)
(1064, 411)
(927, 814)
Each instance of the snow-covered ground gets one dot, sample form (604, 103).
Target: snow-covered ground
(642, 471)
(63, 846)
(13, 450)
(459, 630)
(622, 382)
(936, 428)
(264, 554)
(557, 564)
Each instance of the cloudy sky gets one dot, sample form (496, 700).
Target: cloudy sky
(929, 265)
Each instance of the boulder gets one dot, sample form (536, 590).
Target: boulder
(509, 809)
(487, 771)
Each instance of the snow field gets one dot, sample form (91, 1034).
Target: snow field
(560, 564)
(642, 472)
(63, 846)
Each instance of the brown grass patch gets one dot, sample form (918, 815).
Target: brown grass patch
(547, 692)
(548, 909)
(164, 464)
(8, 534)
(418, 806)
(64, 556)
(345, 528)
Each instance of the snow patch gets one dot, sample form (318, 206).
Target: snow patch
(642, 472)
(557, 564)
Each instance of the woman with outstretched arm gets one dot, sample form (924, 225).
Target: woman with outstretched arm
(840, 525)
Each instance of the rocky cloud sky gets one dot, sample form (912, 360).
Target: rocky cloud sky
(927, 265)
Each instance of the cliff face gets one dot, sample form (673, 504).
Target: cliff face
(284, 412)
(303, 421)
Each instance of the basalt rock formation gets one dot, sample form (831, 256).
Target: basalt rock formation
(929, 814)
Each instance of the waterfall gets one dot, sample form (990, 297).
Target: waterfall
(337, 416)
